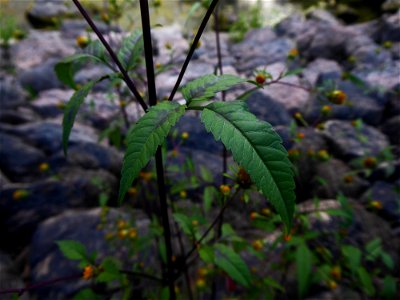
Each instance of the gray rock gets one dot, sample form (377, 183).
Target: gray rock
(385, 78)
(21, 115)
(18, 160)
(388, 195)
(41, 77)
(392, 129)
(45, 13)
(291, 26)
(268, 109)
(47, 262)
(322, 68)
(75, 188)
(390, 30)
(9, 277)
(359, 104)
(333, 177)
(50, 103)
(11, 93)
(349, 142)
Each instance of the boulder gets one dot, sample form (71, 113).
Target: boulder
(11, 93)
(349, 142)
(48, 14)
(391, 128)
(46, 260)
(9, 277)
(322, 68)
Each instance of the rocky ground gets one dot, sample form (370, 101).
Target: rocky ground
(63, 198)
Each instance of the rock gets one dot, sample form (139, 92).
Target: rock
(255, 38)
(11, 93)
(41, 77)
(348, 142)
(268, 109)
(199, 138)
(47, 262)
(322, 68)
(390, 28)
(360, 105)
(393, 104)
(50, 103)
(196, 70)
(92, 73)
(388, 195)
(334, 177)
(71, 28)
(170, 36)
(250, 56)
(385, 78)
(49, 197)
(391, 129)
(3, 180)
(291, 26)
(19, 161)
(45, 45)
(391, 5)
(323, 16)
(9, 277)
(21, 115)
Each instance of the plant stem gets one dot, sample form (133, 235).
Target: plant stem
(148, 50)
(113, 56)
(193, 47)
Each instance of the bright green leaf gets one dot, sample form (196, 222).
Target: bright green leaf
(303, 265)
(144, 138)
(232, 264)
(206, 254)
(353, 257)
(72, 249)
(374, 249)
(184, 222)
(205, 87)
(71, 110)
(366, 281)
(208, 196)
(258, 149)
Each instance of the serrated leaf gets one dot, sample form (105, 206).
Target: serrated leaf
(97, 50)
(303, 264)
(71, 110)
(373, 249)
(232, 264)
(131, 50)
(205, 87)
(258, 149)
(110, 270)
(144, 138)
(72, 249)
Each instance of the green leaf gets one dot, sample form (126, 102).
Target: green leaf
(205, 87)
(71, 110)
(303, 264)
(387, 260)
(208, 196)
(184, 222)
(144, 138)
(206, 174)
(87, 294)
(366, 281)
(110, 270)
(373, 249)
(206, 254)
(72, 249)
(131, 50)
(97, 50)
(232, 264)
(389, 288)
(353, 257)
(258, 149)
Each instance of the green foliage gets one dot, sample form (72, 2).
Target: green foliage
(71, 111)
(131, 50)
(144, 138)
(231, 262)
(258, 149)
(304, 265)
(8, 26)
(352, 256)
(72, 249)
(204, 88)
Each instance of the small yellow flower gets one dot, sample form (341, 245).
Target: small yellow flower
(20, 194)
(168, 46)
(376, 204)
(195, 222)
(298, 116)
(82, 41)
(158, 65)
(202, 272)
(88, 272)
(105, 17)
(336, 272)
(287, 237)
(337, 97)
(183, 194)
(122, 224)
(257, 245)
(157, 3)
(146, 176)
(293, 53)
(122, 103)
(320, 126)
(260, 78)
(300, 135)
(200, 282)
(323, 155)
(266, 211)
(326, 109)
(370, 162)
(123, 233)
(109, 236)
(294, 153)
(254, 215)
(132, 192)
(43, 167)
(225, 189)
(132, 233)
(332, 284)
(185, 135)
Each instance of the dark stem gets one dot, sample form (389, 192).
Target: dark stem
(193, 48)
(114, 57)
(139, 274)
(148, 50)
(39, 285)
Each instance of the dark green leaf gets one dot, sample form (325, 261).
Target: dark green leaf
(389, 288)
(232, 264)
(353, 257)
(373, 249)
(131, 50)
(145, 137)
(366, 281)
(387, 260)
(71, 110)
(184, 222)
(303, 264)
(72, 249)
(110, 271)
(258, 149)
(206, 254)
(205, 87)
(87, 294)
(209, 195)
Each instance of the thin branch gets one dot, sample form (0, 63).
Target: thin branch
(193, 47)
(114, 57)
(140, 274)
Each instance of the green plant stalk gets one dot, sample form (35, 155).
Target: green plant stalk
(148, 50)
(114, 57)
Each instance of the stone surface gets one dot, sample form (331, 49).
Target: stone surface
(322, 68)
(11, 93)
(47, 262)
(349, 142)
(391, 128)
